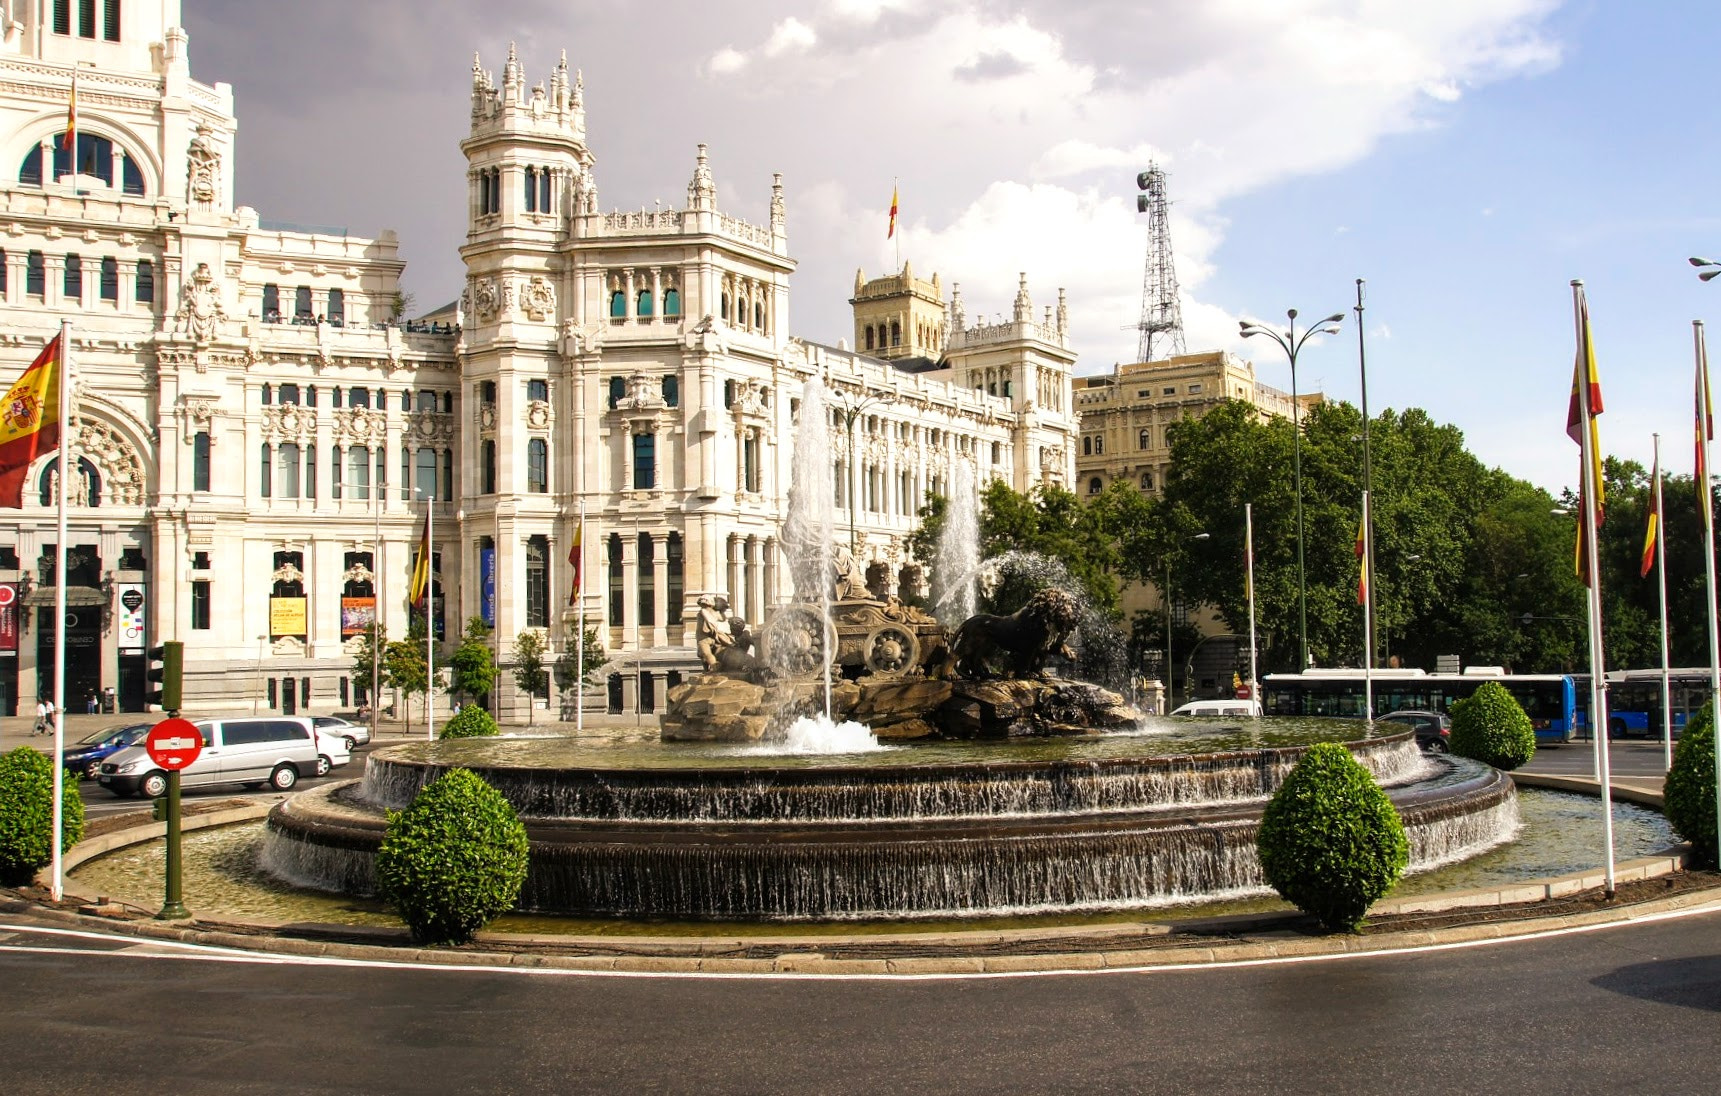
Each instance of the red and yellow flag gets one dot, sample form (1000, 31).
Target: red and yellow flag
(69, 139)
(1362, 558)
(1703, 429)
(418, 590)
(1652, 524)
(576, 555)
(1585, 403)
(30, 421)
(891, 231)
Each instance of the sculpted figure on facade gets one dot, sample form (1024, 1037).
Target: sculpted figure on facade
(200, 311)
(486, 300)
(201, 163)
(538, 299)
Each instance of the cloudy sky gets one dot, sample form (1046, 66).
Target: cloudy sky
(1467, 157)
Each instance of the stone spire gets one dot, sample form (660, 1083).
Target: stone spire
(513, 79)
(701, 191)
(860, 280)
(1063, 313)
(1024, 311)
(778, 215)
(958, 321)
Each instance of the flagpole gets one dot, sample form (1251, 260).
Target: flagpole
(894, 190)
(1661, 582)
(1367, 472)
(1704, 431)
(430, 617)
(68, 468)
(1367, 614)
(580, 624)
(1598, 680)
(1249, 559)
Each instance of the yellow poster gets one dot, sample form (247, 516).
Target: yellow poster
(287, 616)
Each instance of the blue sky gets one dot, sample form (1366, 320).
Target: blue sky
(1467, 158)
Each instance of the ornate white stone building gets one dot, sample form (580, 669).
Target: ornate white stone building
(259, 432)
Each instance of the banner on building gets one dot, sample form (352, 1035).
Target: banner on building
(287, 616)
(9, 610)
(487, 583)
(131, 616)
(357, 615)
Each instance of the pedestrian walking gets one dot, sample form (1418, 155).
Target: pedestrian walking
(53, 717)
(41, 717)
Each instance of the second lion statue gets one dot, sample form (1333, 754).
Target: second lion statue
(1020, 644)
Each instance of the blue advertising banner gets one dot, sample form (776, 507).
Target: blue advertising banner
(487, 583)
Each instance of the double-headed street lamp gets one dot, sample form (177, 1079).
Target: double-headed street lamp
(1170, 697)
(1292, 344)
(851, 406)
(1714, 267)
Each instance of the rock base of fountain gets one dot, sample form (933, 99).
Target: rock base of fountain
(718, 707)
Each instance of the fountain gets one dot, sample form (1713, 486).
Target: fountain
(1058, 797)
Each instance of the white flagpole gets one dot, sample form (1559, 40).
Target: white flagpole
(1598, 680)
(1661, 581)
(580, 623)
(68, 469)
(1704, 497)
(430, 618)
(1249, 553)
(1367, 614)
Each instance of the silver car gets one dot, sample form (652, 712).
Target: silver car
(355, 734)
(251, 750)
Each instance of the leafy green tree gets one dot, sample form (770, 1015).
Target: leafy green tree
(407, 668)
(472, 667)
(27, 814)
(1053, 523)
(530, 676)
(368, 657)
(569, 675)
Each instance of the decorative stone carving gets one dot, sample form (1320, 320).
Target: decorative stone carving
(201, 415)
(538, 299)
(749, 400)
(200, 311)
(486, 299)
(359, 424)
(430, 426)
(289, 421)
(778, 216)
(358, 572)
(202, 163)
(486, 417)
(122, 470)
(288, 572)
(538, 416)
(642, 395)
(290, 646)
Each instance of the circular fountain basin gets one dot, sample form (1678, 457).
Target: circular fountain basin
(1094, 824)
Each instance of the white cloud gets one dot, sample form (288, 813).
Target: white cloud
(790, 35)
(726, 61)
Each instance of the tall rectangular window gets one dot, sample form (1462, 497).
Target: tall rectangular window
(144, 292)
(647, 582)
(310, 471)
(35, 274)
(644, 461)
(111, 20)
(537, 465)
(335, 472)
(427, 473)
(447, 489)
(86, 18)
(265, 479)
(538, 390)
(200, 602)
(358, 472)
(337, 307)
(488, 451)
(531, 190)
(288, 478)
(537, 582)
(544, 190)
(200, 461)
(62, 16)
(271, 303)
(617, 607)
(110, 288)
(302, 305)
(72, 285)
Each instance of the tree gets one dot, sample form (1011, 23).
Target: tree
(367, 657)
(530, 677)
(568, 675)
(408, 669)
(472, 667)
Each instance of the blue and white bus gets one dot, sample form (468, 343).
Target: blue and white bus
(1634, 700)
(1550, 700)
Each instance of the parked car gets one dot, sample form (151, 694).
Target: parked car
(356, 734)
(85, 757)
(251, 750)
(1433, 729)
(1234, 708)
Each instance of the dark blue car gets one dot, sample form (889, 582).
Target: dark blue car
(85, 756)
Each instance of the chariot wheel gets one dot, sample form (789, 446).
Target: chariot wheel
(892, 650)
(798, 642)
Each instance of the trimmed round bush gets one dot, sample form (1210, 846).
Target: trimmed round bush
(453, 860)
(470, 721)
(1491, 727)
(1689, 794)
(1331, 842)
(27, 815)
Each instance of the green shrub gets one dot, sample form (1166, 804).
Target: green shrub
(470, 721)
(454, 859)
(1690, 789)
(27, 815)
(1331, 842)
(1491, 727)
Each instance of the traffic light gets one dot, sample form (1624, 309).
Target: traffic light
(166, 670)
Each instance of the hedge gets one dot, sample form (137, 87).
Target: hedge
(27, 815)
(453, 860)
(1491, 727)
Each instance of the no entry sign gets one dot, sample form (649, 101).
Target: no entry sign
(173, 743)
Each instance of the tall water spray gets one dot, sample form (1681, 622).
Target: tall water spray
(958, 550)
(807, 527)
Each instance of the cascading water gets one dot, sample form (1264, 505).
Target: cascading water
(807, 527)
(958, 550)
(816, 734)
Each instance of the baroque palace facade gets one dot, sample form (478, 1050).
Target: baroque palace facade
(259, 433)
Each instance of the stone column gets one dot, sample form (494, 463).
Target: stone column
(732, 581)
(755, 593)
(627, 297)
(630, 590)
(656, 293)
(660, 585)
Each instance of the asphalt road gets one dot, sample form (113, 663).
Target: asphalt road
(1633, 1008)
(1627, 758)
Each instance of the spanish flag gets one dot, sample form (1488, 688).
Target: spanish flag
(1704, 429)
(1362, 557)
(69, 140)
(576, 554)
(1586, 403)
(30, 421)
(420, 587)
(892, 230)
(1652, 527)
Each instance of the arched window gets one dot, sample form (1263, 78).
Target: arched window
(1087, 447)
(483, 192)
(537, 581)
(1147, 481)
(869, 336)
(643, 301)
(544, 191)
(1142, 438)
(1099, 444)
(537, 465)
(358, 397)
(287, 393)
(531, 190)
(895, 333)
(725, 310)
(671, 303)
(1094, 486)
(86, 492)
(618, 305)
(758, 316)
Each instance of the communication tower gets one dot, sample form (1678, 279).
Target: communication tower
(1161, 324)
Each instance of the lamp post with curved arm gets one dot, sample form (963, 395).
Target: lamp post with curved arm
(851, 405)
(1292, 344)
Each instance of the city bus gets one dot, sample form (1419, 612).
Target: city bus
(1634, 700)
(1550, 700)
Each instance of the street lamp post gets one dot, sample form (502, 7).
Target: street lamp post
(851, 406)
(1170, 696)
(1292, 344)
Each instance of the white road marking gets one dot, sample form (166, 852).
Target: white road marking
(144, 948)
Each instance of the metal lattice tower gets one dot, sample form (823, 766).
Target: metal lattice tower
(1161, 323)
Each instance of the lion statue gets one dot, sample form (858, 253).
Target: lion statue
(1017, 645)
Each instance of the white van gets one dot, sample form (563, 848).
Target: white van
(248, 750)
(1234, 708)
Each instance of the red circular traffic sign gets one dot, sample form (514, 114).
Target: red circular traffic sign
(173, 743)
